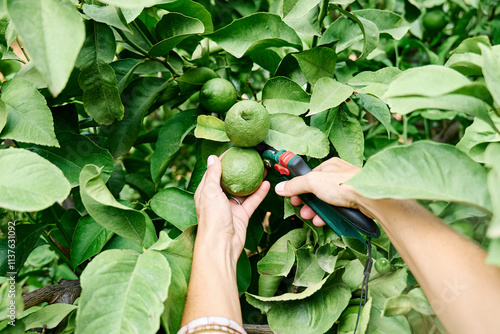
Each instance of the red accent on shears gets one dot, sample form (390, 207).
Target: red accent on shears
(285, 158)
(281, 169)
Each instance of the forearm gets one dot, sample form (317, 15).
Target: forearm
(212, 287)
(461, 288)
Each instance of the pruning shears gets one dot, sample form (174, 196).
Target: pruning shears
(343, 221)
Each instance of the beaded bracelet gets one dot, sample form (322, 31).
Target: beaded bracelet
(212, 325)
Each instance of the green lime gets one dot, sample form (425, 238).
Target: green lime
(247, 123)
(382, 266)
(217, 95)
(242, 171)
(434, 20)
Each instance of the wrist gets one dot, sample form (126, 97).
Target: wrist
(215, 250)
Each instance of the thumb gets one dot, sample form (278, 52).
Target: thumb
(298, 185)
(214, 172)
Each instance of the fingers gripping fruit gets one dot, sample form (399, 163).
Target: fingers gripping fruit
(242, 171)
(247, 123)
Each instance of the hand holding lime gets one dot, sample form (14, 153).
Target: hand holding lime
(242, 171)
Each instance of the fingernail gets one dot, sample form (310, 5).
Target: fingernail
(280, 187)
(210, 161)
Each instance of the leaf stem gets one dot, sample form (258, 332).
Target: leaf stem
(322, 14)
(22, 49)
(142, 33)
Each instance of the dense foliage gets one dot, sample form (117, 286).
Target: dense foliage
(104, 143)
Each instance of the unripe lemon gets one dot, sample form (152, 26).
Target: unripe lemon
(242, 171)
(217, 95)
(247, 123)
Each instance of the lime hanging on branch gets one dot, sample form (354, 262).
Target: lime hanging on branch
(242, 171)
(217, 95)
(247, 123)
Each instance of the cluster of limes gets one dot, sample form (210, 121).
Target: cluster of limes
(246, 123)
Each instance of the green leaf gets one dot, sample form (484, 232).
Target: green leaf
(268, 285)
(419, 302)
(309, 271)
(28, 182)
(28, 117)
(430, 81)
(255, 32)
(377, 108)
(26, 239)
(100, 93)
(124, 69)
(397, 305)
(53, 32)
(109, 15)
(277, 263)
(328, 93)
(349, 30)
(282, 252)
(191, 9)
(138, 98)
(123, 291)
(132, 4)
(453, 102)
(3, 115)
(282, 95)
(383, 325)
(88, 240)
(175, 206)
(103, 207)
(284, 135)
(466, 63)
(169, 141)
(99, 45)
(349, 319)
(389, 285)
(477, 137)
(347, 138)
(180, 250)
(7, 295)
(491, 71)
(492, 158)
(424, 170)
(382, 76)
(306, 22)
(75, 152)
(174, 304)
(306, 312)
(472, 44)
(172, 29)
(317, 63)
(49, 316)
(386, 21)
(298, 8)
(325, 258)
(243, 273)
(211, 128)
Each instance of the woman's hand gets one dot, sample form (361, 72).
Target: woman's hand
(221, 219)
(326, 182)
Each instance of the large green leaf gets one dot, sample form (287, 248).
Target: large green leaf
(138, 98)
(328, 93)
(53, 32)
(169, 141)
(180, 250)
(430, 81)
(109, 15)
(309, 271)
(27, 236)
(28, 117)
(191, 9)
(347, 137)
(175, 206)
(376, 107)
(350, 30)
(310, 311)
(424, 170)
(88, 240)
(491, 71)
(284, 135)
(386, 21)
(172, 29)
(382, 76)
(211, 128)
(305, 22)
(28, 182)
(100, 93)
(174, 304)
(123, 292)
(281, 256)
(317, 63)
(75, 152)
(102, 206)
(466, 63)
(254, 32)
(99, 45)
(49, 316)
(282, 95)
(477, 137)
(132, 4)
